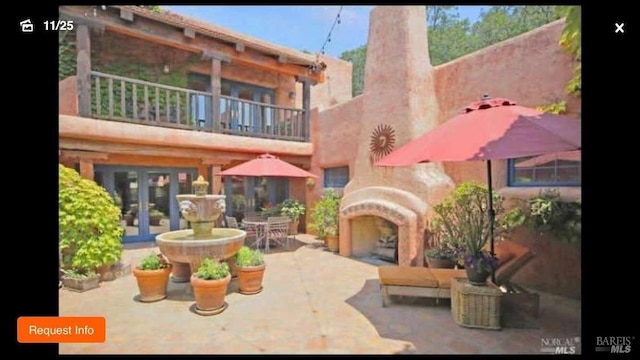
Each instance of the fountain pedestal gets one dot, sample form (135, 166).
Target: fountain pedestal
(186, 249)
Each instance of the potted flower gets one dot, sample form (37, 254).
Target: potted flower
(210, 284)
(152, 276)
(461, 222)
(250, 268)
(293, 209)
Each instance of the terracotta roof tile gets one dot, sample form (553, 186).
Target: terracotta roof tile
(208, 29)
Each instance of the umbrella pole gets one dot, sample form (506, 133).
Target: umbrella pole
(492, 217)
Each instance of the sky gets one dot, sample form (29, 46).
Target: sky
(298, 27)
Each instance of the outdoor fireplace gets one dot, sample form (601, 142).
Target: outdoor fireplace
(379, 239)
(399, 104)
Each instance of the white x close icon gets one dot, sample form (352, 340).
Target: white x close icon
(619, 28)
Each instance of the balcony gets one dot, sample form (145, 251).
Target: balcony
(118, 98)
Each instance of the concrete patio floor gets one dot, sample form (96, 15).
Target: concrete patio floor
(314, 302)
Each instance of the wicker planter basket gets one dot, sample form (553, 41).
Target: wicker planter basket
(475, 306)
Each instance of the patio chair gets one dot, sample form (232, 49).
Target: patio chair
(436, 283)
(277, 230)
(232, 222)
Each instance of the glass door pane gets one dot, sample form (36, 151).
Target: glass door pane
(158, 202)
(126, 188)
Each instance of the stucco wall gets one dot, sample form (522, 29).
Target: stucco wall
(336, 88)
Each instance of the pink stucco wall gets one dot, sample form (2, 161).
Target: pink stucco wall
(336, 88)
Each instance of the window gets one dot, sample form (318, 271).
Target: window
(557, 169)
(336, 177)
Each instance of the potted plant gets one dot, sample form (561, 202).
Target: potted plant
(152, 276)
(80, 280)
(155, 216)
(324, 215)
(210, 284)
(293, 209)
(331, 232)
(461, 222)
(250, 268)
(440, 256)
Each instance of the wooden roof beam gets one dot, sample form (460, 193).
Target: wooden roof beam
(160, 33)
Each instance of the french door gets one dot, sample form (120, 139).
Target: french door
(147, 198)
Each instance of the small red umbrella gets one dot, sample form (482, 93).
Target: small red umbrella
(491, 129)
(266, 165)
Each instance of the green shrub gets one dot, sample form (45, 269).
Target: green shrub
(547, 213)
(90, 234)
(212, 270)
(293, 209)
(247, 257)
(324, 214)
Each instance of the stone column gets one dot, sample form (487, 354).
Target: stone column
(83, 72)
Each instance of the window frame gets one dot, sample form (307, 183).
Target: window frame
(511, 176)
(325, 176)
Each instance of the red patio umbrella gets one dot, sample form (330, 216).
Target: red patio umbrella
(266, 165)
(491, 129)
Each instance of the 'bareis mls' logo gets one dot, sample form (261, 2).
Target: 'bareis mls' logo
(614, 344)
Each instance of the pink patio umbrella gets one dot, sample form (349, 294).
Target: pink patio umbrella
(491, 129)
(267, 165)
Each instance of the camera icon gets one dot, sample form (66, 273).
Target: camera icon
(26, 26)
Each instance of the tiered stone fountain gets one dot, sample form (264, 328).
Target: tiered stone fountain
(187, 248)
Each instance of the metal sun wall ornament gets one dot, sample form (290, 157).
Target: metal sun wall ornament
(382, 141)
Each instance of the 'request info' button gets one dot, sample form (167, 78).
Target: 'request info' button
(54, 329)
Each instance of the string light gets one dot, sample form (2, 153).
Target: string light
(328, 40)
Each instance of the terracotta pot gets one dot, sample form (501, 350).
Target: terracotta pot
(332, 243)
(152, 283)
(293, 227)
(250, 279)
(210, 294)
(440, 263)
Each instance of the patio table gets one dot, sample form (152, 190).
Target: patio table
(260, 227)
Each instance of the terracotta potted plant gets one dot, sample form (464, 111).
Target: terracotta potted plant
(250, 268)
(324, 216)
(152, 276)
(293, 209)
(210, 284)
(332, 237)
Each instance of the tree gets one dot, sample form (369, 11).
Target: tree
(571, 41)
(451, 37)
(357, 57)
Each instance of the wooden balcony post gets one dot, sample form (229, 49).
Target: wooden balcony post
(216, 73)
(83, 46)
(306, 105)
(86, 168)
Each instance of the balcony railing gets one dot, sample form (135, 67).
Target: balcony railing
(123, 99)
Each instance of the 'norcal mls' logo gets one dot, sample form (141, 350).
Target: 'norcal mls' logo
(614, 344)
(560, 345)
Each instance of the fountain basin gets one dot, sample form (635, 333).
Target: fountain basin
(182, 247)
